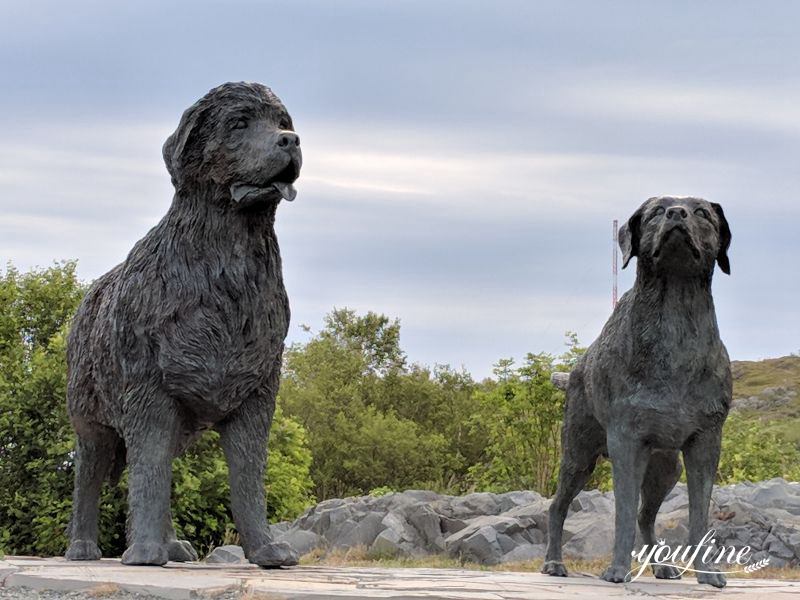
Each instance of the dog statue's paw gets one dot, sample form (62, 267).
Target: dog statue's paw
(616, 574)
(274, 554)
(666, 572)
(83, 550)
(555, 568)
(181, 551)
(716, 579)
(145, 554)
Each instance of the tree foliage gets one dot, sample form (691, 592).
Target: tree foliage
(372, 420)
(520, 418)
(35, 436)
(752, 453)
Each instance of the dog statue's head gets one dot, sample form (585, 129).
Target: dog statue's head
(238, 138)
(677, 235)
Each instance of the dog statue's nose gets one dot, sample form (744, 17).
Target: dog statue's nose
(677, 212)
(287, 139)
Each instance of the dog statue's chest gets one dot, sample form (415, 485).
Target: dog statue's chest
(659, 375)
(673, 402)
(227, 338)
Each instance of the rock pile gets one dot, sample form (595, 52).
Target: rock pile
(498, 528)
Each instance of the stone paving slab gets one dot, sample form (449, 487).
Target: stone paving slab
(179, 581)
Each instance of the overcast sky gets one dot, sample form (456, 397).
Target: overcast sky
(463, 161)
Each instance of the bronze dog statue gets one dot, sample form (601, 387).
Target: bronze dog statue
(187, 333)
(656, 382)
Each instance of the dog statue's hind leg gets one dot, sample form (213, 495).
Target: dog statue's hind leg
(579, 454)
(94, 453)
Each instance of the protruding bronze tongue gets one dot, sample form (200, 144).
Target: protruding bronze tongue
(286, 190)
(240, 191)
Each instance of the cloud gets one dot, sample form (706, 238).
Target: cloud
(501, 250)
(462, 164)
(769, 108)
(459, 324)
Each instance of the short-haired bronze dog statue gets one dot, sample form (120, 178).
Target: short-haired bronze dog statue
(187, 333)
(656, 382)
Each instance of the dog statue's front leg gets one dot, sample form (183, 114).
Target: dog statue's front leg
(244, 436)
(701, 457)
(629, 458)
(150, 440)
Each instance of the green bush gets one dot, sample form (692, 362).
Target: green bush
(752, 453)
(374, 421)
(35, 436)
(521, 419)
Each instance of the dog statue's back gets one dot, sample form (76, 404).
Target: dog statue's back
(655, 383)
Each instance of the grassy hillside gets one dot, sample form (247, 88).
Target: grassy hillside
(769, 390)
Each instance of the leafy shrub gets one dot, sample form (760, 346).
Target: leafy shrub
(35, 436)
(521, 418)
(350, 388)
(752, 453)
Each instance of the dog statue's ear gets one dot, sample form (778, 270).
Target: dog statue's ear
(628, 237)
(724, 239)
(176, 143)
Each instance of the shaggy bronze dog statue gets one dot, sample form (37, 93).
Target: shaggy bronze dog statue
(187, 333)
(656, 382)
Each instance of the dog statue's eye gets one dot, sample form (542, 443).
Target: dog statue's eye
(658, 211)
(702, 212)
(240, 124)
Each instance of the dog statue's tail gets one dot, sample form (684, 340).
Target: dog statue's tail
(560, 380)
